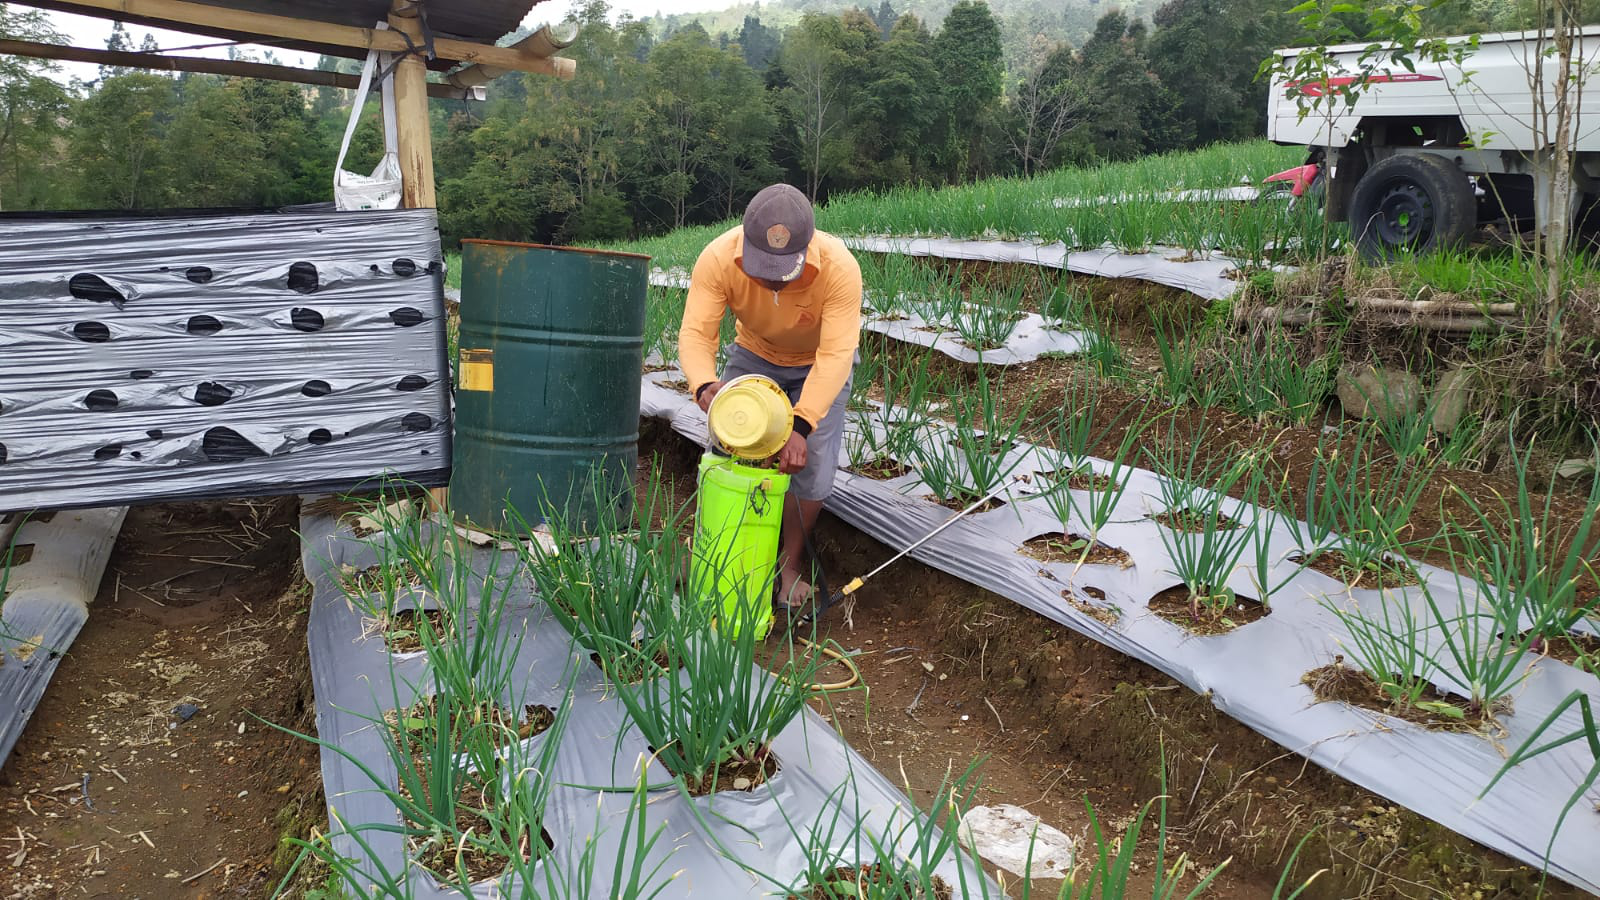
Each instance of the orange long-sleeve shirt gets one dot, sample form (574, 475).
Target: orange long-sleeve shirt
(814, 321)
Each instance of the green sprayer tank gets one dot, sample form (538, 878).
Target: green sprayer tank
(547, 400)
(737, 527)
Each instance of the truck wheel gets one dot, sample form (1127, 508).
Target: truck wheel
(1411, 204)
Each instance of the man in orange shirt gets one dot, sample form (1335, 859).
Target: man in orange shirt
(795, 294)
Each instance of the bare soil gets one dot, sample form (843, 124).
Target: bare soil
(109, 793)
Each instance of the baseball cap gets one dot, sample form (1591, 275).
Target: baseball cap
(778, 225)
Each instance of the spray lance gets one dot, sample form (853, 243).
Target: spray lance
(860, 581)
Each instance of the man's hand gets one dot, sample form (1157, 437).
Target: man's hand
(707, 395)
(792, 458)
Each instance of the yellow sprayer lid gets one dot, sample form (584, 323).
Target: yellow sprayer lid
(751, 417)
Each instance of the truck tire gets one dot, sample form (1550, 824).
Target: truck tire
(1411, 204)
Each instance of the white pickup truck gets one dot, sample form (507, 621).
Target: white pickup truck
(1422, 158)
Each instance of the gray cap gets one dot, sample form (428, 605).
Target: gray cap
(778, 226)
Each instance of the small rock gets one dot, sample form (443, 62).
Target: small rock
(927, 667)
(741, 784)
(1369, 392)
(185, 711)
(1452, 394)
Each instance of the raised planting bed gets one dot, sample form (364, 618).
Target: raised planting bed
(1256, 671)
(503, 753)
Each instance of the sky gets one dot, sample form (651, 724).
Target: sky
(91, 32)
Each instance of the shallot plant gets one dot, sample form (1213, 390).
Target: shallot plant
(612, 584)
(719, 707)
(1532, 556)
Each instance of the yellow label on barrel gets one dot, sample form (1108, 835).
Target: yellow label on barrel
(477, 370)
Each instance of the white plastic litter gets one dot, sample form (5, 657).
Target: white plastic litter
(1013, 838)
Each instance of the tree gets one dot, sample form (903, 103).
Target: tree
(120, 41)
(710, 129)
(817, 60)
(32, 104)
(1206, 53)
(885, 18)
(758, 42)
(967, 55)
(905, 107)
(1130, 112)
(117, 141)
(1047, 105)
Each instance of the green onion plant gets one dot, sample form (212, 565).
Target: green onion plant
(1532, 556)
(612, 584)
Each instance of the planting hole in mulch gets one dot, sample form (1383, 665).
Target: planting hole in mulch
(741, 774)
(676, 384)
(652, 369)
(882, 468)
(375, 580)
(989, 446)
(962, 501)
(1108, 615)
(19, 554)
(473, 798)
(1339, 683)
(1574, 648)
(1193, 521)
(870, 880)
(1392, 573)
(1069, 548)
(417, 722)
(1082, 479)
(1175, 605)
(403, 633)
(636, 669)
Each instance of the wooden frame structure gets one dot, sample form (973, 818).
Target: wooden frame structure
(407, 36)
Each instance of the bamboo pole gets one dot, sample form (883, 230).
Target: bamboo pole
(207, 66)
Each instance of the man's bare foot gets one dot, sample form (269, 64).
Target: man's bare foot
(793, 591)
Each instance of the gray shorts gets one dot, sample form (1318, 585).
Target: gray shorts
(815, 481)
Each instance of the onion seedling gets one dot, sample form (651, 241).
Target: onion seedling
(1370, 504)
(1484, 642)
(1391, 647)
(1205, 546)
(988, 319)
(895, 857)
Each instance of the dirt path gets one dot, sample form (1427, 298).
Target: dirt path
(112, 794)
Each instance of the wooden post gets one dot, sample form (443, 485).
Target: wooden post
(415, 136)
(411, 113)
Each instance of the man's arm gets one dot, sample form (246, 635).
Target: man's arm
(836, 350)
(701, 332)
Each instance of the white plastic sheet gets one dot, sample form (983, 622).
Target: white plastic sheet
(1212, 278)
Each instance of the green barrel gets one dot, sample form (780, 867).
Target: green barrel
(547, 398)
